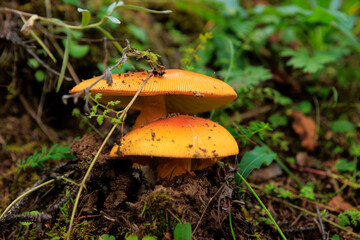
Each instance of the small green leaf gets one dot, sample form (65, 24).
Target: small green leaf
(254, 159)
(113, 19)
(86, 16)
(98, 96)
(132, 237)
(149, 238)
(183, 231)
(106, 237)
(307, 191)
(40, 75)
(33, 63)
(277, 120)
(100, 120)
(111, 8)
(28, 223)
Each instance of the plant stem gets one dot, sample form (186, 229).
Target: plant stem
(262, 205)
(230, 222)
(24, 194)
(83, 182)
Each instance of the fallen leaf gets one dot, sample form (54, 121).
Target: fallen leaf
(305, 127)
(266, 173)
(338, 204)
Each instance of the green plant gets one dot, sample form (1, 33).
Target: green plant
(105, 113)
(246, 133)
(183, 231)
(38, 159)
(106, 237)
(253, 159)
(350, 217)
(307, 191)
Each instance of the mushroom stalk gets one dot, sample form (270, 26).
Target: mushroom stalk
(174, 167)
(153, 108)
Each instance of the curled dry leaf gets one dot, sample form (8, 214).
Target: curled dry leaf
(305, 127)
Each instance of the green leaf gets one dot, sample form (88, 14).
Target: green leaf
(107, 237)
(134, 7)
(254, 159)
(40, 75)
(33, 63)
(113, 19)
(250, 76)
(307, 191)
(183, 231)
(132, 237)
(100, 120)
(345, 166)
(76, 50)
(86, 16)
(28, 223)
(149, 238)
(277, 120)
(98, 96)
(111, 8)
(342, 126)
(312, 64)
(304, 107)
(65, 61)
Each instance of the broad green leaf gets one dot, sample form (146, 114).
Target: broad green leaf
(85, 16)
(342, 126)
(254, 159)
(183, 231)
(113, 19)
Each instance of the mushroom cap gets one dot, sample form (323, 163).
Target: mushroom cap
(185, 92)
(178, 137)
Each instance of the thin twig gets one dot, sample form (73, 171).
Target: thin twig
(321, 224)
(42, 63)
(207, 205)
(32, 113)
(122, 118)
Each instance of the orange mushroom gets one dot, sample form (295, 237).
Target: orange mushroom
(172, 91)
(177, 145)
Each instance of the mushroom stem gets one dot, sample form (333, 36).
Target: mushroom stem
(153, 108)
(174, 167)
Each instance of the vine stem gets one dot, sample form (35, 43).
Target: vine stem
(24, 194)
(262, 205)
(83, 182)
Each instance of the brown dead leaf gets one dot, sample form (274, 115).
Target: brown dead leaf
(338, 204)
(305, 127)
